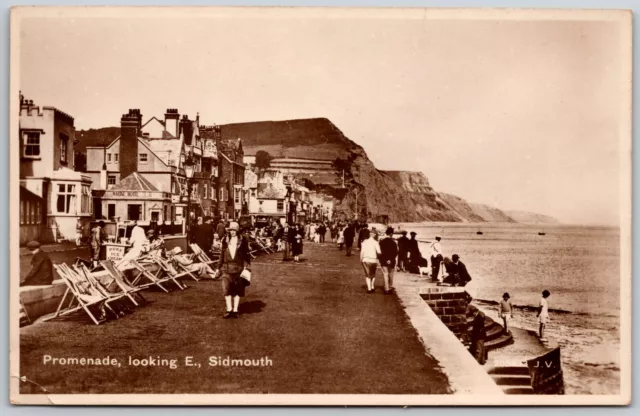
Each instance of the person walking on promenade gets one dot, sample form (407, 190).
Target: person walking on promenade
(436, 258)
(297, 237)
(286, 231)
(41, 272)
(79, 228)
(234, 259)
(349, 235)
(340, 232)
(403, 249)
(369, 254)
(96, 241)
(543, 313)
(414, 254)
(363, 234)
(221, 229)
(388, 253)
(307, 230)
(506, 311)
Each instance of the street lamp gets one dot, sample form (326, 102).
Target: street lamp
(189, 168)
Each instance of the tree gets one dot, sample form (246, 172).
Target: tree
(263, 160)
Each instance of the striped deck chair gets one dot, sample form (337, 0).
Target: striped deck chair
(80, 296)
(130, 291)
(201, 255)
(173, 272)
(158, 277)
(24, 316)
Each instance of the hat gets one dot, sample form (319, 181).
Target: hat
(438, 237)
(414, 233)
(176, 250)
(234, 226)
(455, 257)
(389, 231)
(32, 245)
(404, 233)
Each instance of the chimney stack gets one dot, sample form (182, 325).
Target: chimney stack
(171, 118)
(186, 128)
(130, 125)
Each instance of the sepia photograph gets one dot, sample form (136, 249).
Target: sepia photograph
(320, 206)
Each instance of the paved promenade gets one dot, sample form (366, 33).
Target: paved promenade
(314, 322)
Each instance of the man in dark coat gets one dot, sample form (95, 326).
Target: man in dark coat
(364, 230)
(349, 235)
(414, 254)
(41, 272)
(234, 258)
(388, 253)
(403, 249)
(207, 232)
(221, 228)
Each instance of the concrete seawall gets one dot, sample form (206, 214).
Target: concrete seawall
(465, 375)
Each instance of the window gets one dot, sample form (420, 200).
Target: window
(111, 210)
(143, 157)
(164, 213)
(155, 216)
(213, 194)
(280, 206)
(64, 145)
(22, 204)
(85, 202)
(31, 144)
(111, 180)
(236, 196)
(115, 158)
(173, 212)
(205, 191)
(38, 213)
(134, 212)
(66, 199)
(108, 157)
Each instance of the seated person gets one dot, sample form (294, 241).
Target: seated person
(457, 274)
(176, 257)
(41, 271)
(156, 244)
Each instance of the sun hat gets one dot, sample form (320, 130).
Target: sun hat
(234, 226)
(176, 250)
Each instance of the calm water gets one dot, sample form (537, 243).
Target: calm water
(580, 266)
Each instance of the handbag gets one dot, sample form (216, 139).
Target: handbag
(246, 276)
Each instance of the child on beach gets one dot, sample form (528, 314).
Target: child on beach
(506, 311)
(543, 313)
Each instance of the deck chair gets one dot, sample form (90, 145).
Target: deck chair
(88, 275)
(24, 316)
(156, 278)
(173, 272)
(130, 291)
(201, 255)
(80, 296)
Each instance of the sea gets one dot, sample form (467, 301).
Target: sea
(579, 265)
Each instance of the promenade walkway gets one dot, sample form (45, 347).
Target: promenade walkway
(314, 321)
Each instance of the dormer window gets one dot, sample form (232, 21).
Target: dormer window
(31, 147)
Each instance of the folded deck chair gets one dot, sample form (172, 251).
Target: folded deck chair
(201, 255)
(173, 272)
(79, 296)
(131, 292)
(157, 278)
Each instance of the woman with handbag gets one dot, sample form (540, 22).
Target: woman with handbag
(234, 264)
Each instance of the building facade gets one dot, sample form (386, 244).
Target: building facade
(47, 139)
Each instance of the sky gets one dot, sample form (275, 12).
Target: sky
(518, 114)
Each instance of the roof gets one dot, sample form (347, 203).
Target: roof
(27, 194)
(268, 191)
(151, 119)
(96, 138)
(134, 182)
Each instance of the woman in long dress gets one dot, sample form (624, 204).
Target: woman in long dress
(296, 242)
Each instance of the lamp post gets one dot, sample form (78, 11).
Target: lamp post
(189, 168)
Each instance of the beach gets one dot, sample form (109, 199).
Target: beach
(578, 265)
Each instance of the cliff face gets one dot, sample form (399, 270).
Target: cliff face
(532, 217)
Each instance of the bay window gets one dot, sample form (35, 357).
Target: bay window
(66, 199)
